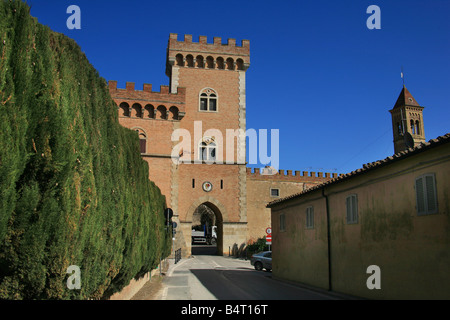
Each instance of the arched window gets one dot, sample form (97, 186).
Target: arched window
(417, 127)
(199, 61)
(162, 112)
(208, 100)
(230, 64)
(142, 139)
(210, 62)
(149, 111)
(220, 63)
(240, 64)
(125, 108)
(207, 150)
(173, 111)
(190, 60)
(413, 128)
(136, 110)
(180, 60)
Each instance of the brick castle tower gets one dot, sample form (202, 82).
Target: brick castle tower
(205, 168)
(214, 77)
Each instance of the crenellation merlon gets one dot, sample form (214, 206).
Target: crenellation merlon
(289, 175)
(202, 46)
(204, 40)
(147, 94)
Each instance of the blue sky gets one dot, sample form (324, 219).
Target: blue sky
(317, 73)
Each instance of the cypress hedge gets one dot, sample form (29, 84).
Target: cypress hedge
(74, 189)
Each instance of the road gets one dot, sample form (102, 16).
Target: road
(209, 277)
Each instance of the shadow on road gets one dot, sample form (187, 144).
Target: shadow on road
(250, 285)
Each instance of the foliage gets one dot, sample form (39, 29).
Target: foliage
(257, 246)
(246, 251)
(74, 189)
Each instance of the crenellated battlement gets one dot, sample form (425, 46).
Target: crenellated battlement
(217, 42)
(201, 54)
(148, 104)
(289, 175)
(147, 93)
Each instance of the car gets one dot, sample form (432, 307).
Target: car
(262, 260)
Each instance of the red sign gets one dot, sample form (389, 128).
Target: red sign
(269, 238)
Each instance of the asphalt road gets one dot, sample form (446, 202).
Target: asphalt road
(209, 277)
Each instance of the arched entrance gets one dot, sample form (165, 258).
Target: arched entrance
(207, 230)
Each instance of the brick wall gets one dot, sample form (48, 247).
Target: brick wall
(259, 194)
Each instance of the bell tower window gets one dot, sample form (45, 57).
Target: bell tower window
(417, 127)
(208, 100)
(413, 127)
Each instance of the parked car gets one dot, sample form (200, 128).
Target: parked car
(262, 260)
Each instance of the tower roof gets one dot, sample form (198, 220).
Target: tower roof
(406, 99)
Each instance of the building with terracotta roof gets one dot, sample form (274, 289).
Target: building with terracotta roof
(379, 232)
(407, 122)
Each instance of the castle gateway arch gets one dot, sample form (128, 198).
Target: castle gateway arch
(228, 233)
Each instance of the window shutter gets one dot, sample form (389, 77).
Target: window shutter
(142, 144)
(349, 209)
(309, 217)
(354, 209)
(430, 194)
(420, 195)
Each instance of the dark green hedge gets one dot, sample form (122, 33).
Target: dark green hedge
(74, 189)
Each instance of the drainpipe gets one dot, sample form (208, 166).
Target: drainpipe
(328, 239)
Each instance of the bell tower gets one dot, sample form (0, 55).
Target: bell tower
(407, 122)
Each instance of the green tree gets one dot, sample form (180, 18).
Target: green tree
(74, 189)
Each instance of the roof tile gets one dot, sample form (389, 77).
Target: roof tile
(370, 166)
